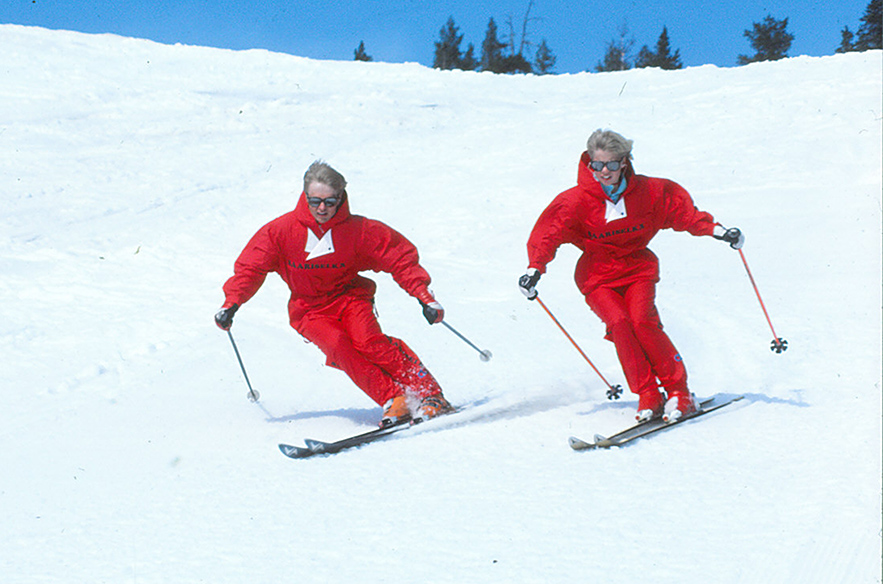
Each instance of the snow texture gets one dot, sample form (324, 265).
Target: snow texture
(133, 174)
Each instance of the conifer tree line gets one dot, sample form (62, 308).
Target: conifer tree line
(870, 31)
(512, 51)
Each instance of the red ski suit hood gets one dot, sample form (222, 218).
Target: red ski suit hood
(614, 244)
(321, 262)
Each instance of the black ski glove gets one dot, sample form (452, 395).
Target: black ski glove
(733, 236)
(433, 312)
(224, 317)
(528, 283)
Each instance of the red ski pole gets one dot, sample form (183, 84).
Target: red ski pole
(778, 344)
(613, 391)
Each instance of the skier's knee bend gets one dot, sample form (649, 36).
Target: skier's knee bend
(620, 326)
(647, 326)
(373, 344)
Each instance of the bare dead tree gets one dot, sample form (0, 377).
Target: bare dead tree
(524, 42)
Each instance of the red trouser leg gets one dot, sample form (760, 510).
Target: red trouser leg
(350, 336)
(397, 359)
(633, 324)
(664, 358)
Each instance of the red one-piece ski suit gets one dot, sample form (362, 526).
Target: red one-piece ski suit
(331, 305)
(616, 272)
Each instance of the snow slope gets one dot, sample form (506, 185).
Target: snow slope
(133, 173)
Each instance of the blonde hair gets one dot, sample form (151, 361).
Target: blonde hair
(609, 141)
(321, 172)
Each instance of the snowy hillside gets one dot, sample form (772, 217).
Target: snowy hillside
(133, 173)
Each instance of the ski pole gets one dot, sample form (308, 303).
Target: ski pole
(778, 344)
(253, 396)
(485, 355)
(613, 391)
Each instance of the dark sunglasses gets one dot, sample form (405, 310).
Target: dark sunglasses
(329, 201)
(598, 166)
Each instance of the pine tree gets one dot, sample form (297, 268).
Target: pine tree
(516, 64)
(618, 53)
(870, 33)
(491, 50)
(614, 59)
(770, 40)
(360, 54)
(447, 49)
(544, 61)
(494, 55)
(646, 58)
(662, 57)
(467, 60)
(846, 44)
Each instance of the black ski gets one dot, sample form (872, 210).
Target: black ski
(314, 447)
(583, 445)
(318, 447)
(645, 428)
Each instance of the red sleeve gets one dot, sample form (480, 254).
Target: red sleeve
(681, 214)
(555, 227)
(386, 250)
(259, 258)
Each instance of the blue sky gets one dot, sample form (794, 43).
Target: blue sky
(405, 30)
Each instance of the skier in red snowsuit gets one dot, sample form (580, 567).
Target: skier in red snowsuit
(611, 215)
(319, 249)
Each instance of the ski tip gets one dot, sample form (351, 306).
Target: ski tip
(295, 451)
(576, 443)
(579, 444)
(715, 403)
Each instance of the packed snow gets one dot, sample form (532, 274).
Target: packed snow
(133, 174)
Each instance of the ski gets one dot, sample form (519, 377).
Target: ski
(645, 428)
(579, 444)
(314, 447)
